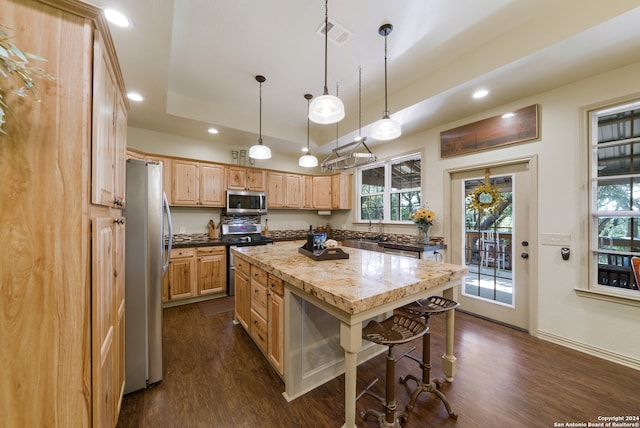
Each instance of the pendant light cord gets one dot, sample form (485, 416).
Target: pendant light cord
(260, 125)
(326, 37)
(386, 109)
(360, 102)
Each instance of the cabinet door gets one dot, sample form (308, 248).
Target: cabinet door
(275, 344)
(236, 178)
(182, 277)
(185, 183)
(322, 192)
(212, 185)
(103, 140)
(119, 341)
(341, 191)
(307, 185)
(257, 180)
(276, 186)
(293, 191)
(120, 153)
(103, 321)
(212, 270)
(242, 299)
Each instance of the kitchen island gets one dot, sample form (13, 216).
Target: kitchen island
(327, 302)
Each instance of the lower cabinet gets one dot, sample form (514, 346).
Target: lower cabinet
(275, 324)
(243, 293)
(259, 308)
(195, 272)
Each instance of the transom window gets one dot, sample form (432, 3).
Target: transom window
(390, 191)
(615, 197)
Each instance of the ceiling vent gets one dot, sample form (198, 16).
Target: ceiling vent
(337, 35)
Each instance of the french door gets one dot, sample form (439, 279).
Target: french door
(494, 245)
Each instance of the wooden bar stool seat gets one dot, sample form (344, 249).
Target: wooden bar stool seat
(394, 330)
(424, 308)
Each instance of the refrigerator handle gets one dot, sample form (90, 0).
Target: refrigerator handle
(165, 206)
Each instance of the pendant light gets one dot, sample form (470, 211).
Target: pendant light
(386, 128)
(326, 109)
(260, 151)
(308, 160)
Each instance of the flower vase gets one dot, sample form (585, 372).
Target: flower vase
(424, 234)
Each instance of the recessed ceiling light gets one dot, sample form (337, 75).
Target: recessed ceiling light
(212, 131)
(508, 115)
(134, 96)
(480, 93)
(116, 18)
(304, 149)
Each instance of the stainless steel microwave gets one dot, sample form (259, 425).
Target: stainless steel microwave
(246, 202)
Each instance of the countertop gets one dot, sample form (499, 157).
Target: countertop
(366, 280)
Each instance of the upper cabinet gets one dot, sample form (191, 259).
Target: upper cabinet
(322, 192)
(109, 133)
(241, 178)
(197, 183)
(341, 191)
(284, 190)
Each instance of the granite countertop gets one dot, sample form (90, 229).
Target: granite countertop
(366, 280)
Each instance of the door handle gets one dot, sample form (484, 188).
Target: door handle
(524, 255)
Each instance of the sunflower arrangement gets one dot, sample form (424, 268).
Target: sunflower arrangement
(423, 216)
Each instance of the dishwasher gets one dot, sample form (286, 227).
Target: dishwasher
(405, 253)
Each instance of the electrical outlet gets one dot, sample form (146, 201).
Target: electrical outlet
(183, 230)
(562, 239)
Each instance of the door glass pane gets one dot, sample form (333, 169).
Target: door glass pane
(488, 245)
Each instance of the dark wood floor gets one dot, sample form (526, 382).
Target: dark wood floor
(216, 377)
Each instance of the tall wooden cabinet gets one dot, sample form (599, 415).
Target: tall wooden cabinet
(61, 274)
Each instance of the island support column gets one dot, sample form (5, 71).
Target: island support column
(449, 361)
(351, 342)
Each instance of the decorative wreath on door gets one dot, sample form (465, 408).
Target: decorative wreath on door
(486, 197)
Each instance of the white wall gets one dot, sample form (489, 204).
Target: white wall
(607, 329)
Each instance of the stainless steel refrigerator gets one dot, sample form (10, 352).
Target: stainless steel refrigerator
(147, 215)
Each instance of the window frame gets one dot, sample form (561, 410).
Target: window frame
(593, 288)
(387, 192)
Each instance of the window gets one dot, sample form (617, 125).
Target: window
(615, 198)
(390, 191)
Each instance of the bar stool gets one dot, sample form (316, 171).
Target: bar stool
(394, 330)
(433, 305)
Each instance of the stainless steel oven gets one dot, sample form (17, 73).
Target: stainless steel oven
(240, 235)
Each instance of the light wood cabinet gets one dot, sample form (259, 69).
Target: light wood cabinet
(212, 185)
(275, 323)
(259, 301)
(182, 273)
(284, 190)
(197, 183)
(242, 302)
(242, 178)
(109, 133)
(119, 277)
(185, 183)
(341, 191)
(212, 270)
(62, 291)
(307, 192)
(322, 192)
(259, 308)
(293, 191)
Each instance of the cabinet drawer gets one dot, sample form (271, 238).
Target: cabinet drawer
(259, 275)
(209, 251)
(177, 253)
(276, 285)
(242, 266)
(259, 298)
(259, 330)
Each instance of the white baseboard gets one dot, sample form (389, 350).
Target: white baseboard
(624, 360)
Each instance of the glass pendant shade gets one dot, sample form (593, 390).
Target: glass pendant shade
(259, 151)
(386, 129)
(326, 109)
(308, 161)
